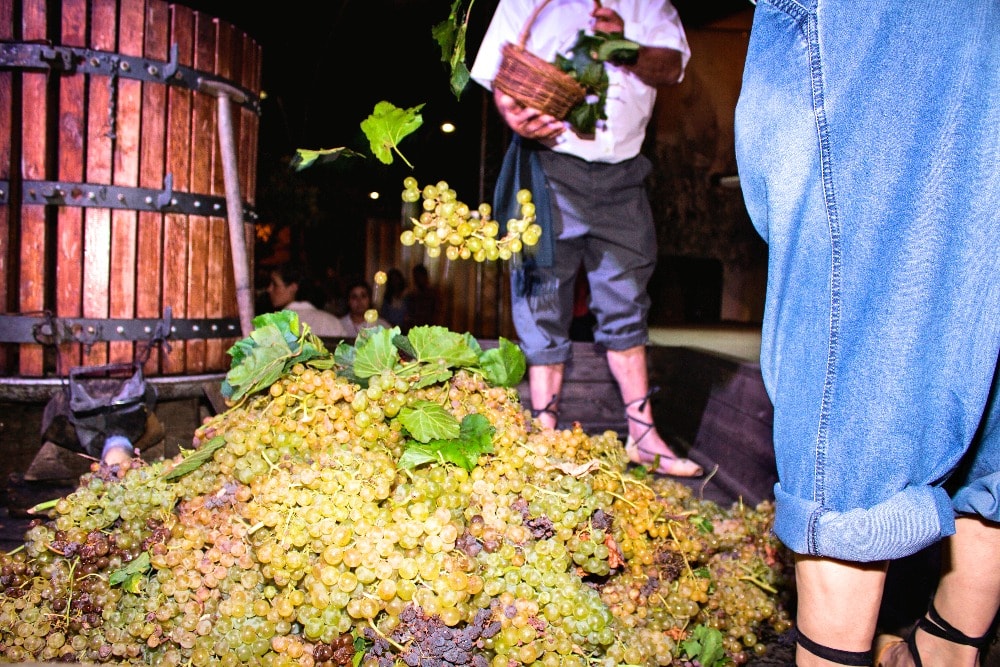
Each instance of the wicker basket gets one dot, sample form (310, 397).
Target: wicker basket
(534, 82)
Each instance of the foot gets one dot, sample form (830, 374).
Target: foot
(891, 651)
(661, 462)
(644, 445)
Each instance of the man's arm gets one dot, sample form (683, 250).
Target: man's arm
(657, 66)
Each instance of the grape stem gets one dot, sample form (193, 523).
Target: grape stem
(670, 527)
(396, 645)
(757, 581)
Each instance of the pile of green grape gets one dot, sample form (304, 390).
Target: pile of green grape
(291, 535)
(448, 223)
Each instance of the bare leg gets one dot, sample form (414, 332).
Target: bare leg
(967, 597)
(838, 605)
(546, 382)
(629, 370)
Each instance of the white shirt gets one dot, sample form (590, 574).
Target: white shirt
(630, 101)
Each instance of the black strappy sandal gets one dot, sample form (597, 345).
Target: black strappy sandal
(933, 624)
(657, 462)
(548, 409)
(853, 658)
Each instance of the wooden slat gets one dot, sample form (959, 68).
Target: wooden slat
(175, 233)
(152, 154)
(69, 245)
(34, 107)
(6, 171)
(203, 152)
(124, 269)
(97, 235)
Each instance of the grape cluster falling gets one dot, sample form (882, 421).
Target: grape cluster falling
(465, 233)
(389, 504)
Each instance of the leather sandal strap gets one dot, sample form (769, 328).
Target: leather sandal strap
(853, 658)
(935, 625)
(642, 400)
(548, 408)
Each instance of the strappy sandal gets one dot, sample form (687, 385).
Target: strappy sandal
(932, 624)
(548, 409)
(854, 658)
(657, 462)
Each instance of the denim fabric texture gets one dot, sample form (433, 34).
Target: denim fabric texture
(601, 218)
(868, 146)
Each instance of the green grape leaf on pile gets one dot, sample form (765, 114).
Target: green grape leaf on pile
(376, 352)
(387, 126)
(195, 458)
(705, 646)
(277, 342)
(436, 344)
(307, 157)
(450, 35)
(475, 438)
(504, 365)
(130, 576)
(428, 421)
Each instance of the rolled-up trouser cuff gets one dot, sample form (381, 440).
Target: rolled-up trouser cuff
(899, 526)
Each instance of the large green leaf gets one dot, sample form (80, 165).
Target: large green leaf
(504, 365)
(387, 126)
(475, 439)
(376, 353)
(436, 344)
(428, 421)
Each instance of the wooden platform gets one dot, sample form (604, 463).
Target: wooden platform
(711, 406)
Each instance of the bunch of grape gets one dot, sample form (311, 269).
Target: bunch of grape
(291, 535)
(445, 222)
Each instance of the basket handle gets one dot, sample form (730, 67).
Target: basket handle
(523, 37)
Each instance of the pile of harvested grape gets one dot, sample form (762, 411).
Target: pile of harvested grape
(389, 503)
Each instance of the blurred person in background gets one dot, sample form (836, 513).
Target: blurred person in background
(289, 289)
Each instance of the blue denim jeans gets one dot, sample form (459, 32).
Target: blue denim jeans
(868, 145)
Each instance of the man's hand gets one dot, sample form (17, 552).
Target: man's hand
(656, 66)
(528, 122)
(607, 20)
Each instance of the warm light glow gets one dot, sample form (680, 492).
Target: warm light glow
(373, 195)
(447, 127)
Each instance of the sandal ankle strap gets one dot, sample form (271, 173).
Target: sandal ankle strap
(935, 625)
(642, 400)
(853, 658)
(548, 409)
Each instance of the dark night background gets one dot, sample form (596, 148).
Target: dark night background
(325, 66)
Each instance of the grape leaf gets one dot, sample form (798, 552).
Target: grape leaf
(376, 353)
(475, 438)
(436, 344)
(705, 646)
(450, 35)
(195, 459)
(306, 157)
(387, 126)
(428, 421)
(135, 568)
(504, 365)
(277, 342)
